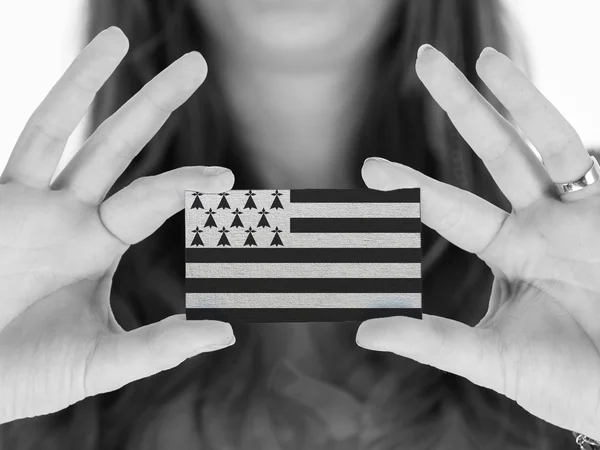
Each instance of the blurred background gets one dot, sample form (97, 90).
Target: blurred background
(39, 38)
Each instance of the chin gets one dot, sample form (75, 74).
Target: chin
(297, 47)
(295, 30)
(297, 35)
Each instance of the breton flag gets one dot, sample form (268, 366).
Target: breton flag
(303, 255)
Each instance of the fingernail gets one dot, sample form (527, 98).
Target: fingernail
(487, 50)
(374, 173)
(218, 332)
(422, 48)
(223, 334)
(195, 70)
(227, 180)
(215, 170)
(377, 159)
(375, 334)
(217, 346)
(362, 334)
(195, 54)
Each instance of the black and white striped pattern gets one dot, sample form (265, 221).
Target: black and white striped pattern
(303, 255)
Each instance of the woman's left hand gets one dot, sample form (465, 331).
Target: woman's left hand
(539, 343)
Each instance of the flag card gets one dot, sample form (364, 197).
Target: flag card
(302, 255)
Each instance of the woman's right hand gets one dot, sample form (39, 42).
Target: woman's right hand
(60, 242)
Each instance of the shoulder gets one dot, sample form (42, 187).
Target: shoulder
(594, 151)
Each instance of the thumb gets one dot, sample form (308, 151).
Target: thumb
(473, 353)
(119, 359)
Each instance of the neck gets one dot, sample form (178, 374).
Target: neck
(296, 126)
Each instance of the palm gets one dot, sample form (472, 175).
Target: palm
(56, 252)
(542, 308)
(49, 242)
(61, 241)
(56, 339)
(547, 359)
(539, 342)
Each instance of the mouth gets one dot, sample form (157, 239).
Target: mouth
(293, 5)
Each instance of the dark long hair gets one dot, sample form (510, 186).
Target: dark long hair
(210, 395)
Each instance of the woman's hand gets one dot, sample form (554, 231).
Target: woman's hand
(539, 343)
(60, 243)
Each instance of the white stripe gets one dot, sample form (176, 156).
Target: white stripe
(295, 300)
(342, 210)
(369, 240)
(303, 270)
(263, 238)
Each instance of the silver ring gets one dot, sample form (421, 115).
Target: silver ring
(591, 176)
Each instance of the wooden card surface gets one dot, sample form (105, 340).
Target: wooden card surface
(303, 255)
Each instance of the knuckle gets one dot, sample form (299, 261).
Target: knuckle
(84, 82)
(162, 185)
(85, 193)
(144, 182)
(495, 155)
(452, 90)
(494, 241)
(510, 368)
(452, 218)
(41, 124)
(88, 387)
(121, 150)
(141, 189)
(523, 102)
(441, 341)
(153, 339)
(559, 145)
(507, 384)
(157, 350)
(461, 100)
(156, 103)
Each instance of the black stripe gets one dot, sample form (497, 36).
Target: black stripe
(262, 315)
(355, 225)
(359, 195)
(299, 255)
(302, 285)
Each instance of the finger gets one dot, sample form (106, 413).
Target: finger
(514, 167)
(42, 141)
(136, 211)
(110, 149)
(473, 353)
(119, 359)
(461, 217)
(564, 155)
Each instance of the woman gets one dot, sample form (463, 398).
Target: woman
(298, 94)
